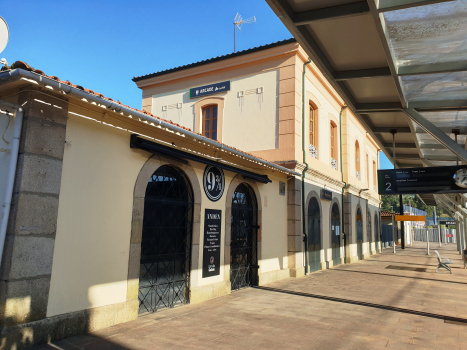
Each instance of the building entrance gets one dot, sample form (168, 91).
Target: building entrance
(244, 238)
(314, 235)
(359, 234)
(335, 235)
(166, 241)
(368, 230)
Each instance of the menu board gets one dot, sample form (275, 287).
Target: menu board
(212, 242)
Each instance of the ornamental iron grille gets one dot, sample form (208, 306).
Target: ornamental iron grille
(166, 241)
(244, 241)
(368, 228)
(359, 234)
(314, 235)
(336, 235)
(377, 232)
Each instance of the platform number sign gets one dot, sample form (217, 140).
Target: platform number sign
(213, 182)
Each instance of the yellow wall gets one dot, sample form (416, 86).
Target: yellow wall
(90, 264)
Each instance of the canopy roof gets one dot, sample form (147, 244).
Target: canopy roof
(400, 65)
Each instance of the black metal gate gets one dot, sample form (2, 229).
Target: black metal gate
(359, 225)
(314, 235)
(335, 235)
(368, 230)
(243, 243)
(166, 241)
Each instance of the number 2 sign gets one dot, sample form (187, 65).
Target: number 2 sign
(213, 182)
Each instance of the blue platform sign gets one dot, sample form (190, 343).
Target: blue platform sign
(210, 89)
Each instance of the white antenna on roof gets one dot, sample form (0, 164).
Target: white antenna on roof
(238, 21)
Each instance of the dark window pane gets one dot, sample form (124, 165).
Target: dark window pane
(214, 111)
(206, 125)
(207, 113)
(214, 124)
(206, 134)
(214, 135)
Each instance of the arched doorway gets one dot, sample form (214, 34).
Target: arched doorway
(359, 234)
(166, 240)
(314, 235)
(368, 229)
(244, 238)
(335, 235)
(377, 232)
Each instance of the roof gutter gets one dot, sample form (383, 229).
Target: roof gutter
(18, 74)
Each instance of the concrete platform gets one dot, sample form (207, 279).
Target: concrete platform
(364, 305)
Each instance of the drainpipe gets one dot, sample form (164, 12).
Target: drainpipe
(345, 185)
(11, 171)
(305, 237)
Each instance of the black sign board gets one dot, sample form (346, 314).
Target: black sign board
(447, 179)
(447, 222)
(210, 89)
(326, 195)
(213, 182)
(212, 242)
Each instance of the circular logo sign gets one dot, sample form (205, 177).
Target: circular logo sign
(211, 260)
(213, 182)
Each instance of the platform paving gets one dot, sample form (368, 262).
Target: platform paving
(364, 305)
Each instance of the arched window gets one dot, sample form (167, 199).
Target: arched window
(313, 130)
(333, 145)
(367, 165)
(210, 122)
(357, 160)
(374, 175)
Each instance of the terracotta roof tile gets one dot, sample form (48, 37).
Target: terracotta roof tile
(25, 66)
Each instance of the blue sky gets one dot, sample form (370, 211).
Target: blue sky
(102, 45)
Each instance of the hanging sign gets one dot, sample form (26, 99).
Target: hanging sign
(326, 195)
(213, 182)
(442, 179)
(447, 222)
(210, 89)
(212, 242)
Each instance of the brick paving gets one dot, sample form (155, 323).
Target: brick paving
(345, 307)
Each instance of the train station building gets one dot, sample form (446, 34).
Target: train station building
(117, 212)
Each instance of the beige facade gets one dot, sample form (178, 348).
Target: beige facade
(270, 125)
(72, 256)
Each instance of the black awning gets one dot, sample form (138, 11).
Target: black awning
(153, 147)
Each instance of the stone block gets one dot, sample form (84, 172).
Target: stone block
(31, 256)
(33, 214)
(101, 317)
(294, 198)
(297, 272)
(294, 228)
(287, 113)
(287, 141)
(273, 276)
(134, 261)
(323, 265)
(24, 301)
(287, 72)
(197, 212)
(44, 107)
(132, 289)
(195, 258)
(287, 85)
(196, 233)
(127, 311)
(287, 99)
(294, 243)
(43, 137)
(286, 126)
(294, 212)
(38, 174)
(329, 264)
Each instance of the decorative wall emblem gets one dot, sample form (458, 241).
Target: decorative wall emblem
(213, 182)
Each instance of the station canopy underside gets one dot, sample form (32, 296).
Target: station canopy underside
(398, 64)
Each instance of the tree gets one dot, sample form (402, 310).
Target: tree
(391, 203)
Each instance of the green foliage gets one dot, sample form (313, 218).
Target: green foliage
(391, 203)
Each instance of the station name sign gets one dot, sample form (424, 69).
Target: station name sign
(326, 195)
(210, 89)
(447, 179)
(447, 222)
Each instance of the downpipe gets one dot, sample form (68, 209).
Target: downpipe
(305, 237)
(11, 171)
(344, 236)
